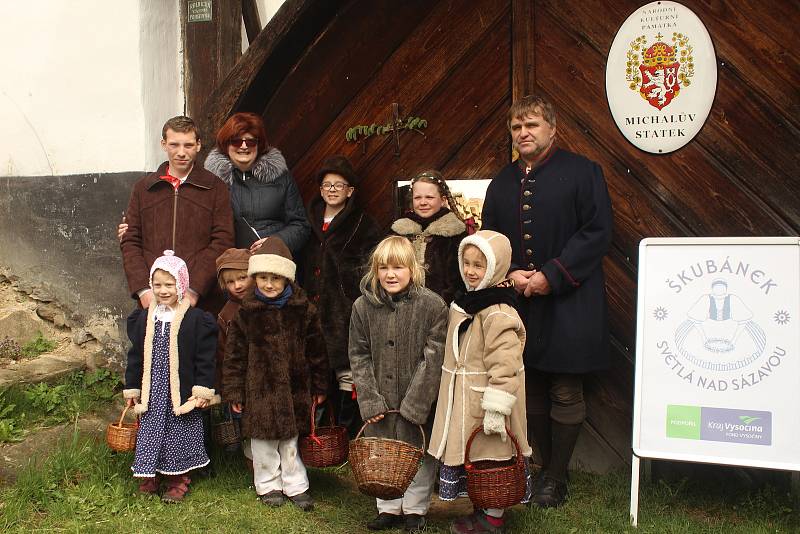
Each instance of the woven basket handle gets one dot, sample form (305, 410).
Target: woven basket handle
(314, 405)
(479, 428)
(422, 430)
(122, 417)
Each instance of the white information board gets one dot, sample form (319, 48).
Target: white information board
(718, 352)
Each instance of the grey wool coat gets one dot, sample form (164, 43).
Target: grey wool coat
(396, 350)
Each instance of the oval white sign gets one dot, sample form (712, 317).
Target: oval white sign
(661, 77)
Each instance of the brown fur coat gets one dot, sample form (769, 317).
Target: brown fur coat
(275, 360)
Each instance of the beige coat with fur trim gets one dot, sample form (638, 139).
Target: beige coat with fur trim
(482, 370)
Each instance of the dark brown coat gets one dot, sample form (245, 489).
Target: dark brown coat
(334, 264)
(275, 361)
(436, 246)
(224, 320)
(195, 221)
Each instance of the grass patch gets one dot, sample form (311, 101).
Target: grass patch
(35, 405)
(37, 346)
(84, 487)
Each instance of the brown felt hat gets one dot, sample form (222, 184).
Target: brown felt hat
(338, 165)
(273, 257)
(233, 258)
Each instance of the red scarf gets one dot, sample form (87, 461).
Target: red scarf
(176, 182)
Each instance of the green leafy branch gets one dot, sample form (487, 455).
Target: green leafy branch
(415, 124)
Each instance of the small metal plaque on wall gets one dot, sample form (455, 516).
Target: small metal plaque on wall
(199, 10)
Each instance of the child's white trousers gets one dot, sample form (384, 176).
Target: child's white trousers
(277, 466)
(417, 498)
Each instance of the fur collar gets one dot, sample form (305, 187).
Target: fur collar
(269, 166)
(448, 225)
(298, 299)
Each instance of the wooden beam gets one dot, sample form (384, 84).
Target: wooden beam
(522, 48)
(211, 49)
(252, 21)
(225, 98)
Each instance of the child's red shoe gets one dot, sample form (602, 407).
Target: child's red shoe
(149, 485)
(177, 488)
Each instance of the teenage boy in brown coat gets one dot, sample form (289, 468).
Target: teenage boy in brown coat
(180, 207)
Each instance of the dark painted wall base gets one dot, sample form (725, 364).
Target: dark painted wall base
(59, 232)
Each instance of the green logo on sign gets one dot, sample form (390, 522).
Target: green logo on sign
(683, 422)
(747, 419)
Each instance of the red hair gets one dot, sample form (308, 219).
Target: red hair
(240, 124)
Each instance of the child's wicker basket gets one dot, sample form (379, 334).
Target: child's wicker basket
(226, 432)
(384, 467)
(326, 445)
(495, 484)
(121, 436)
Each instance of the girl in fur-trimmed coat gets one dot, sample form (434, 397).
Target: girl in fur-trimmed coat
(275, 365)
(396, 343)
(170, 372)
(435, 232)
(483, 377)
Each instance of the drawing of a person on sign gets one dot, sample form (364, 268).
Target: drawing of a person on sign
(720, 333)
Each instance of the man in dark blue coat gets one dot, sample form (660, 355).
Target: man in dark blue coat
(553, 206)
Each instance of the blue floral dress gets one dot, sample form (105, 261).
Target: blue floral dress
(166, 443)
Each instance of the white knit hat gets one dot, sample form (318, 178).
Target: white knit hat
(273, 257)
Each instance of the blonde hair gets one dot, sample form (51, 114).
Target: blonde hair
(394, 250)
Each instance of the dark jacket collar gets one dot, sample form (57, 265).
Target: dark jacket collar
(316, 213)
(542, 162)
(199, 177)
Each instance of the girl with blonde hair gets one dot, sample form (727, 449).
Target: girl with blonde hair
(396, 346)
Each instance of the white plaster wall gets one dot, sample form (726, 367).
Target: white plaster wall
(161, 57)
(78, 94)
(266, 10)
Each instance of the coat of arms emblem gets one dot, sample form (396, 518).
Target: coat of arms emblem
(659, 70)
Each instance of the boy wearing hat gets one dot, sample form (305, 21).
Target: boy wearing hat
(341, 239)
(275, 363)
(235, 282)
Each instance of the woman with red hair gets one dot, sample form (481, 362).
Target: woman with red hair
(264, 196)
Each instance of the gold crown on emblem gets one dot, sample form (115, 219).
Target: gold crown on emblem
(659, 54)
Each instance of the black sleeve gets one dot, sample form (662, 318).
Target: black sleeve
(134, 368)
(205, 358)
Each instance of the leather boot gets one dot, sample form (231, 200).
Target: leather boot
(539, 430)
(552, 490)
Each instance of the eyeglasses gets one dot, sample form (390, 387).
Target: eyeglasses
(333, 186)
(237, 141)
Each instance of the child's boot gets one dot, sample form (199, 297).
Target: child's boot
(149, 485)
(304, 501)
(477, 523)
(177, 488)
